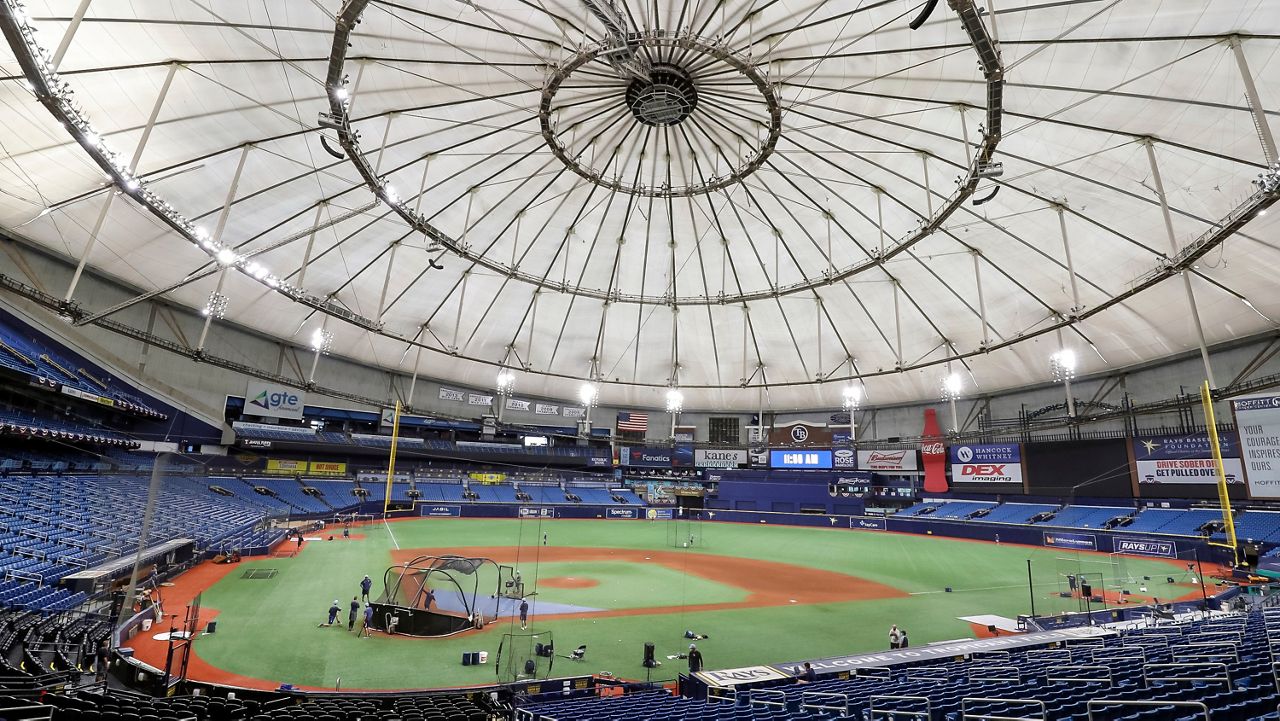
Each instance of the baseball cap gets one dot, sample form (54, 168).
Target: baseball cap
(693, 645)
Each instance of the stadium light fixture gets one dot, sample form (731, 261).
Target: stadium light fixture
(216, 308)
(851, 397)
(1062, 365)
(588, 394)
(675, 401)
(322, 341)
(505, 383)
(952, 386)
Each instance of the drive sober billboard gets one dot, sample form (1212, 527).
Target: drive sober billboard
(999, 463)
(1186, 459)
(1259, 422)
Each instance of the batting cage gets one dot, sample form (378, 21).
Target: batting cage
(684, 530)
(1147, 574)
(524, 656)
(439, 595)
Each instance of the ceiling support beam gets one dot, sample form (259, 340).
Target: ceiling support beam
(928, 191)
(982, 304)
(70, 33)
(209, 312)
(386, 281)
(319, 349)
(897, 323)
(1071, 268)
(217, 238)
(964, 132)
(311, 242)
(1255, 103)
(133, 166)
(1173, 253)
(417, 365)
(1066, 380)
(462, 301)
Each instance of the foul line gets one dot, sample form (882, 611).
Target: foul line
(389, 533)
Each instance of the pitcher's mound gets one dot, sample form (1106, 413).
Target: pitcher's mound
(568, 582)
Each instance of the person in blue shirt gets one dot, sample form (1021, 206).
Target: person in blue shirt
(524, 613)
(365, 585)
(368, 619)
(333, 613)
(355, 610)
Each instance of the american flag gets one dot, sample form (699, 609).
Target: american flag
(634, 422)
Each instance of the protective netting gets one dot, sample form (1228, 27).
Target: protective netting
(523, 656)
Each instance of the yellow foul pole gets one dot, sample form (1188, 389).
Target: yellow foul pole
(391, 462)
(1211, 423)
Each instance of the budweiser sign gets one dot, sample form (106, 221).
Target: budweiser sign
(902, 460)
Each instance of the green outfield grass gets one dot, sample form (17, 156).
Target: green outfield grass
(268, 628)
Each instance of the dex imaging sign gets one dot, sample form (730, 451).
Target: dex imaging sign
(1000, 463)
(265, 399)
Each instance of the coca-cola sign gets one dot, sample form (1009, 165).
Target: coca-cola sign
(933, 454)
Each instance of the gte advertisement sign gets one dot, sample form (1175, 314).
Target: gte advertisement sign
(975, 463)
(265, 399)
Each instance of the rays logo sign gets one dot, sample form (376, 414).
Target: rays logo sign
(265, 399)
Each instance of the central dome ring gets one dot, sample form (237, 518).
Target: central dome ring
(666, 99)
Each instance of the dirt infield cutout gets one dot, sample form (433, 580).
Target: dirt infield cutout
(768, 583)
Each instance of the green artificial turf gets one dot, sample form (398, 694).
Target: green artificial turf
(268, 628)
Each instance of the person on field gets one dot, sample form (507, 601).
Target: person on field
(366, 584)
(904, 643)
(695, 658)
(524, 613)
(895, 637)
(333, 613)
(368, 619)
(355, 610)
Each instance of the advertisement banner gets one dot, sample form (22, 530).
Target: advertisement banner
(658, 514)
(537, 512)
(1186, 459)
(735, 676)
(448, 394)
(682, 456)
(869, 524)
(624, 513)
(800, 459)
(844, 458)
(440, 511)
(903, 460)
(474, 399)
(1144, 547)
(515, 404)
(644, 457)
(933, 455)
(999, 463)
(575, 412)
(1077, 541)
(599, 461)
(684, 434)
(328, 468)
(546, 409)
(266, 399)
(715, 458)
(277, 465)
(1259, 422)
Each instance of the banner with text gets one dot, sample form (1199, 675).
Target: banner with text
(720, 458)
(328, 468)
(267, 399)
(644, 457)
(1259, 422)
(902, 460)
(283, 466)
(1078, 541)
(448, 394)
(998, 463)
(1186, 459)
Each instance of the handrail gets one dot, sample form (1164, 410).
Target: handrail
(7, 710)
(880, 672)
(926, 714)
(965, 715)
(1147, 678)
(1017, 673)
(814, 700)
(767, 697)
(1190, 649)
(1050, 654)
(1104, 674)
(1003, 655)
(1095, 702)
(722, 693)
